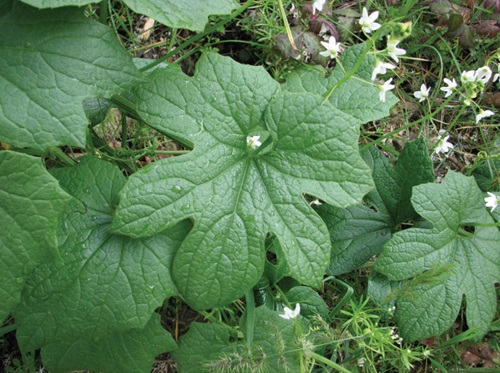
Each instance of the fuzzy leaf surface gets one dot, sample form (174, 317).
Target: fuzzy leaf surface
(359, 97)
(31, 203)
(234, 194)
(52, 60)
(207, 348)
(129, 351)
(465, 264)
(359, 232)
(103, 284)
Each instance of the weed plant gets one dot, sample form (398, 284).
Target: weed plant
(271, 186)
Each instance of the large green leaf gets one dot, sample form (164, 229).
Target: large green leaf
(130, 351)
(52, 60)
(31, 203)
(359, 232)
(189, 14)
(358, 97)
(445, 262)
(104, 284)
(207, 347)
(236, 194)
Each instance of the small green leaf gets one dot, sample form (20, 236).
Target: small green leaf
(52, 60)
(357, 97)
(447, 260)
(31, 203)
(235, 194)
(359, 232)
(311, 303)
(129, 351)
(206, 347)
(103, 284)
(96, 109)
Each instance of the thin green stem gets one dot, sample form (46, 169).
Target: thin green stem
(287, 25)
(353, 71)
(408, 125)
(199, 36)
(124, 132)
(126, 106)
(369, 45)
(58, 153)
(348, 294)
(250, 321)
(328, 362)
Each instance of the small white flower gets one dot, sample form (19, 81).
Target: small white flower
(496, 77)
(492, 201)
(393, 50)
(483, 114)
(289, 314)
(443, 145)
(332, 48)
(468, 76)
(423, 93)
(253, 141)
(387, 86)
(367, 22)
(318, 5)
(381, 68)
(483, 74)
(452, 85)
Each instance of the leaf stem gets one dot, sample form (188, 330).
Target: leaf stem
(58, 153)
(250, 321)
(124, 132)
(126, 106)
(348, 294)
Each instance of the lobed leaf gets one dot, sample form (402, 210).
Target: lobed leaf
(103, 285)
(236, 195)
(52, 60)
(359, 232)
(446, 262)
(358, 97)
(31, 203)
